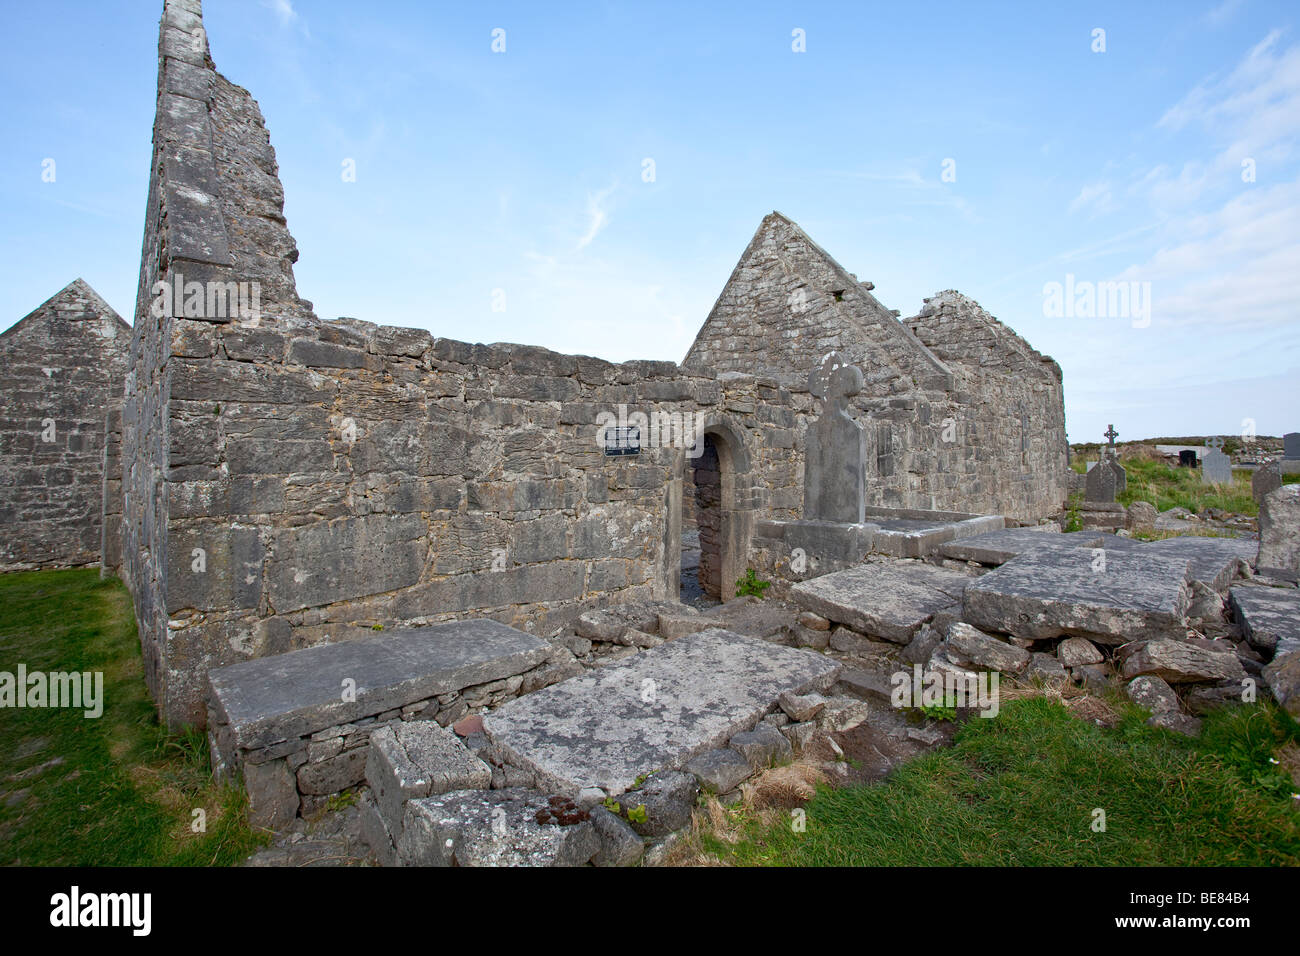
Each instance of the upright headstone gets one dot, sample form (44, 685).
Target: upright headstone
(835, 464)
(1266, 478)
(1291, 446)
(1216, 467)
(1112, 453)
(1279, 532)
(1103, 481)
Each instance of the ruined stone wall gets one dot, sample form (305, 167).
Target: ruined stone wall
(352, 476)
(61, 370)
(1012, 406)
(944, 425)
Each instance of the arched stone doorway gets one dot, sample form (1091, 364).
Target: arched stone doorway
(720, 482)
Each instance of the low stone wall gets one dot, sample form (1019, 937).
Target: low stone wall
(297, 727)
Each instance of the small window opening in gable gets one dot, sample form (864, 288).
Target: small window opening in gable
(839, 295)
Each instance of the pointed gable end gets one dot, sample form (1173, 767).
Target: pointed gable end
(788, 303)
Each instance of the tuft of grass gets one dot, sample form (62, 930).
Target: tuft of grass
(1022, 789)
(117, 790)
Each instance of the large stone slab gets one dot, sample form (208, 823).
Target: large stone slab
(1042, 594)
(999, 547)
(271, 699)
(1212, 560)
(1267, 615)
(608, 727)
(889, 601)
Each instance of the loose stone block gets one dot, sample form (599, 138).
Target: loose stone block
(763, 747)
(416, 759)
(1283, 675)
(1110, 597)
(1267, 615)
(620, 845)
(272, 795)
(491, 828)
(333, 774)
(719, 771)
(1077, 651)
(801, 707)
(656, 711)
(668, 798)
(1153, 693)
(968, 646)
(1186, 661)
(890, 601)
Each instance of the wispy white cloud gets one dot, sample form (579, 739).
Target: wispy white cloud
(1095, 198)
(1222, 12)
(597, 214)
(284, 11)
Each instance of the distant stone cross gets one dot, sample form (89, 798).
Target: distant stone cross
(1111, 434)
(1215, 442)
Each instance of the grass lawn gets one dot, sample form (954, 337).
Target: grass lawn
(113, 791)
(1020, 789)
(1168, 487)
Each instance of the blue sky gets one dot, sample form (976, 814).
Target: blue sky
(522, 171)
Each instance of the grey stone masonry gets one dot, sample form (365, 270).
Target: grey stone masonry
(416, 759)
(273, 699)
(668, 704)
(61, 376)
(298, 726)
(959, 412)
(288, 481)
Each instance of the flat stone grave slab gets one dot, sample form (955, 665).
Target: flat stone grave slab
(271, 699)
(1213, 560)
(999, 547)
(667, 704)
(914, 537)
(888, 601)
(1267, 615)
(1045, 594)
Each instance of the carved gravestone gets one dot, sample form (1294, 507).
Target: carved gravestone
(834, 467)
(1266, 479)
(1291, 446)
(1103, 481)
(1111, 453)
(1216, 467)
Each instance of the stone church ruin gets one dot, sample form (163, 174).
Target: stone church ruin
(452, 571)
(288, 481)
